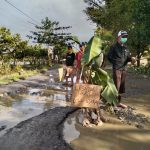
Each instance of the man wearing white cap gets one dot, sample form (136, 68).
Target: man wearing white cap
(119, 56)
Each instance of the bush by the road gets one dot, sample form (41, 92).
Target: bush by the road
(145, 70)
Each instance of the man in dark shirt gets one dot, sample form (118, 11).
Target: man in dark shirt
(119, 56)
(70, 58)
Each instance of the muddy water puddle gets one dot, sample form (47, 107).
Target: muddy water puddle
(14, 109)
(119, 133)
(114, 135)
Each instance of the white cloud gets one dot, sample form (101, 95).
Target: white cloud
(67, 12)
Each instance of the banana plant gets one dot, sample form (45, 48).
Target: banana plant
(94, 74)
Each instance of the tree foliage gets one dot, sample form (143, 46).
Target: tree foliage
(8, 42)
(13, 49)
(51, 33)
(130, 15)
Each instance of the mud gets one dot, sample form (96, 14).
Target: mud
(127, 129)
(18, 105)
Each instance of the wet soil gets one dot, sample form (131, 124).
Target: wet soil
(22, 100)
(25, 99)
(112, 135)
(127, 129)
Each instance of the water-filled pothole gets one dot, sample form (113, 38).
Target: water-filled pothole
(14, 109)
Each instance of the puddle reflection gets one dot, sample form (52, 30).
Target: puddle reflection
(70, 132)
(22, 107)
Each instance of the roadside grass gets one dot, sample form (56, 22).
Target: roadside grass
(144, 70)
(16, 76)
(23, 72)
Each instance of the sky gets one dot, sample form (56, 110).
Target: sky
(67, 12)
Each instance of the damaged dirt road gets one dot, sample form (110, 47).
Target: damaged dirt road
(48, 130)
(37, 94)
(126, 130)
(43, 132)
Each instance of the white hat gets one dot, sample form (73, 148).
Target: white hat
(122, 33)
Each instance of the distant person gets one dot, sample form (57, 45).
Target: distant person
(119, 56)
(70, 58)
(78, 58)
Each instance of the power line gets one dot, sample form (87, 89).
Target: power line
(6, 16)
(32, 23)
(21, 11)
(2, 11)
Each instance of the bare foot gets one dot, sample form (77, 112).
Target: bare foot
(122, 105)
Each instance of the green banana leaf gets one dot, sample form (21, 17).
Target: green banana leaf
(103, 75)
(110, 93)
(93, 59)
(98, 60)
(92, 49)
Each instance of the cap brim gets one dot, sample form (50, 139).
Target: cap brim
(122, 35)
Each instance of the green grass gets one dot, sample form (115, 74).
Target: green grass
(145, 70)
(28, 70)
(14, 76)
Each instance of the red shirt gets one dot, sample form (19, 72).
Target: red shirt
(78, 58)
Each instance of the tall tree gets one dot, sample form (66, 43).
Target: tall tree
(140, 30)
(130, 15)
(50, 32)
(10, 44)
(7, 41)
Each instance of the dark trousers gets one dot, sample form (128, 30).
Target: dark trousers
(119, 80)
